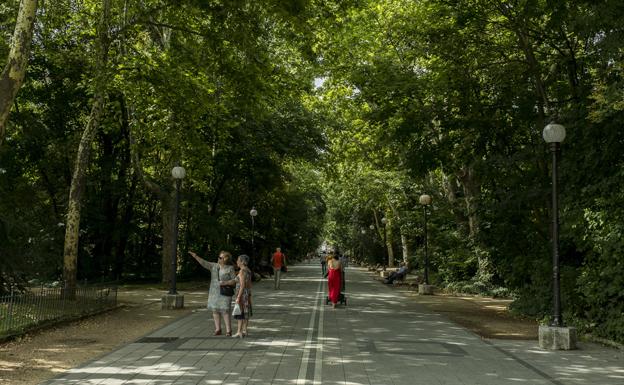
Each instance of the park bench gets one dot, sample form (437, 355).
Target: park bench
(410, 280)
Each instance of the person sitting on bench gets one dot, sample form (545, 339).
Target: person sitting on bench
(399, 274)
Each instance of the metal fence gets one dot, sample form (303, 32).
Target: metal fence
(22, 311)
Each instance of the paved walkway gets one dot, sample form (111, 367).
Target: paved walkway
(381, 337)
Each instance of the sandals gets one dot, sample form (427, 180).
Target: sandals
(217, 333)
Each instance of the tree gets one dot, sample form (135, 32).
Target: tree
(72, 225)
(14, 71)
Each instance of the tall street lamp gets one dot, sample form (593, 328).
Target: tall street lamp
(372, 227)
(178, 173)
(252, 213)
(554, 134)
(425, 201)
(173, 300)
(362, 240)
(556, 336)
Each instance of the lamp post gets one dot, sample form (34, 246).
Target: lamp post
(372, 228)
(554, 134)
(173, 300)
(362, 241)
(425, 201)
(252, 213)
(556, 336)
(178, 173)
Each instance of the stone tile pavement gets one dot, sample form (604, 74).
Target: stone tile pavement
(380, 337)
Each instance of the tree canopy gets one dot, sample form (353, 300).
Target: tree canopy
(325, 116)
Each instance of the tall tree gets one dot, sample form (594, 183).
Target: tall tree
(14, 71)
(72, 225)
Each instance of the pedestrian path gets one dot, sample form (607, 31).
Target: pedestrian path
(381, 337)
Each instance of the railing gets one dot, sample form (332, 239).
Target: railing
(22, 311)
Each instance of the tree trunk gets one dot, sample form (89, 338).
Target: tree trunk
(167, 200)
(15, 70)
(121, 239)
(404, 242)
(122, 231)
(404, 247)
(72, 227)
(472, 189)
(389, 238)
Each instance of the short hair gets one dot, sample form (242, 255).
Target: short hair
(227, 257)
(244, 258)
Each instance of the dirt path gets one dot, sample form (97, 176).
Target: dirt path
(487, 317)
(40, 356)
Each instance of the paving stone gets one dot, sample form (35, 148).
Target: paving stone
(381, 337)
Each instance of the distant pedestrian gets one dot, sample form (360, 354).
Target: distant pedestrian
(221, 274)
(243, 296)
(323, 264)
(344, 261)
(334, 279)
(278, 260)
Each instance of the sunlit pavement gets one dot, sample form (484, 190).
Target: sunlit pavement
(381, 337)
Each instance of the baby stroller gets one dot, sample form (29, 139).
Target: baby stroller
(342, 299)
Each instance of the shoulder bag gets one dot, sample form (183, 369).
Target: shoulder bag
(226, 291)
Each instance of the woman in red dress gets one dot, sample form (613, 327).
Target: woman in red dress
(334, 278)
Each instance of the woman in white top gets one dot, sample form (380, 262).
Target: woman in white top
(218, 303)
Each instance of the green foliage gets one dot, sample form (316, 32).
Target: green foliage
(443, 98)
(600, 288)
(221, 88)
(454, 96)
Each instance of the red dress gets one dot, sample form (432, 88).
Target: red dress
(334, 284)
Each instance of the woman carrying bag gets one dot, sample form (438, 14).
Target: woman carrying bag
(242, 309)
(221, 291)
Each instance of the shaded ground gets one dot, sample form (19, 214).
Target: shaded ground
(37, 357)
(485, 316)
(42, 355)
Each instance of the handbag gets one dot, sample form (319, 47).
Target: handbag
(284, 269)
(237, 310)
(227, 291)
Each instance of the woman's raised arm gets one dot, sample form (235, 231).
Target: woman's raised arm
(205, 264)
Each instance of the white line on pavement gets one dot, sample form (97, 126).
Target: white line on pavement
(318, 364)
(303, 369)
